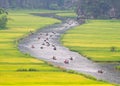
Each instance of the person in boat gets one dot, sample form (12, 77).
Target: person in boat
(71, 58)
(51, 35)
(32, 46)
(38, 38)
(54, 48)
(41, 47)
(44, 40)
(66, 61)
(48, 44)
(54, 58)
(100, 71)
(47, 39)
(53, 32)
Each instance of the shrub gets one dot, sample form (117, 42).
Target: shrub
(32, 69)
(3, 20)
(113, 49)
(22, 70)
(27, 70)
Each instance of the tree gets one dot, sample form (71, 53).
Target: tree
(35, 4)
(99, 8)
(3, 18)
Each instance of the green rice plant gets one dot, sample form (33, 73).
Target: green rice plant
(94, 40)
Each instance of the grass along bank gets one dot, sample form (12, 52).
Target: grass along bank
(17, 69)
(118, 67)
(97, 40)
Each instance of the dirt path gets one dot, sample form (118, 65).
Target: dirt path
(45, 45)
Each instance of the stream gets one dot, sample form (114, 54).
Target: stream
(45, 45)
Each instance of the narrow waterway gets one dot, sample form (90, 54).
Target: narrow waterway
(45, 45)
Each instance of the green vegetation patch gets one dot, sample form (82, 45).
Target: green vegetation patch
(97, 40)
(3, 18)
(118, 67)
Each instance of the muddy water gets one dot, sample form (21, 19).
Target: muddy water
(45, 45)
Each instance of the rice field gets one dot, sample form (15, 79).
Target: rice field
(97, 40)
(17, 69)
